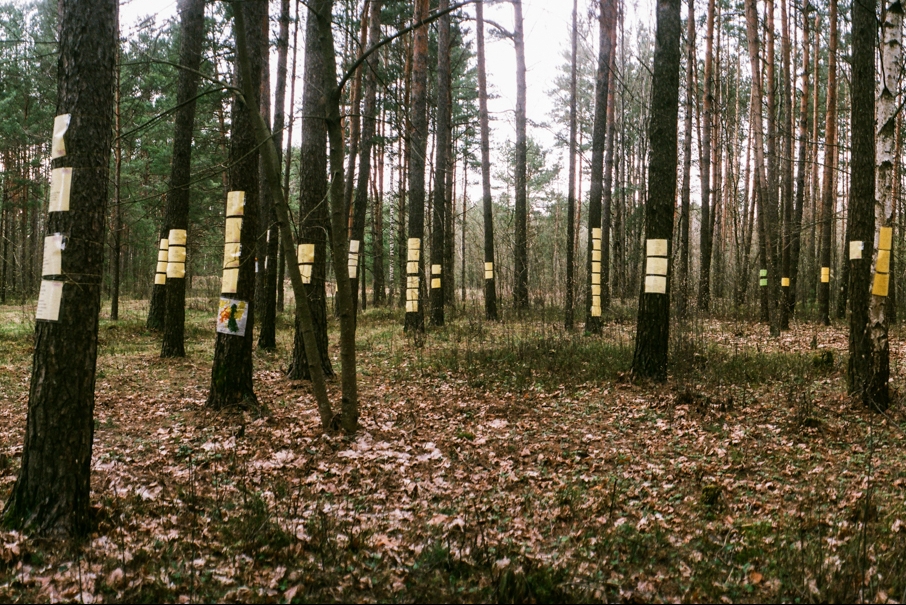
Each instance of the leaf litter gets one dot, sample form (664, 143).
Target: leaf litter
(463, 485)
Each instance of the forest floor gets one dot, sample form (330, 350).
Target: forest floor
(505, 462)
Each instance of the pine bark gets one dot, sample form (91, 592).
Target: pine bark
(520, 252)
(571, 193)
(653, 331)
(418, 143)
(828, 191)
(232, 381)
(682, 267)
(369, 107)
(442, 158)
(706, 238)
(490, 282)
(52, 491)
(313, 206)
(598, 148)
(802, 167)
(178, 196)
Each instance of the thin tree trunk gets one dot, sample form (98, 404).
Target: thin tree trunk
(706, 236)
(571, 192)
(596, 186)
(442, 137)
(787, 172)
(116, 262)
(418, 142)
(682, 273)
(490, 273)
(281, 271)
(521, 274)
(360, 206)
(314, 214)
(802, 168)
(830, 161)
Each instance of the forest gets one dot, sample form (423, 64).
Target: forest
(452, 301)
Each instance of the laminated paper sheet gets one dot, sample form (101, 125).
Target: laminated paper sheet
(596, 245)
(49, 299)
(162, 255)
(161, 266)
(60, 186)
(305, 270)
(655, 284)
(176, 254)
(411, 306)
(53, 255)
(596, 311)
(883, 264)
(176, 270)
(160, 279)
(231, 255)
(412, 282)
(855, 250)
(881, 284)
(596, 255)
(415, 243)
(435, 283)
(232, 317)
(596, 233)
(353, 246)
(595, 301)
(489, 270)
(234, 231)
(436, 269)
(353, 271)
(825, 275)
(414, 255)
(655, 265)
(596, 289)
(656, 247)
(235, 203)
(885, 238)
(412, 268)
(164, 244)
(596, 267)
(411, 293)
(595, 278)
(230, 281)
(58, 144)
(306, 253)
(177, 237)
(785, 282)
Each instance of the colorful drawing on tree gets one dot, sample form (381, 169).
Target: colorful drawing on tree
(232, 317)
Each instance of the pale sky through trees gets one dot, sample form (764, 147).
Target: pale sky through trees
(547, 32)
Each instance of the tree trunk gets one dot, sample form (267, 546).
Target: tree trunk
(706, 238)
(682, 273)
(178, 195)
(801, 169)
(281, 270)
(360, 206)
(51, 494)
(117, 250)
(418, 142)
(313, 208)
(596, 187)
(490, 274)
(787, 172)
(520, 252)
(231, 374)
(653, 331)
(268, 248)
(571, 192)
(442, 158)
(829, 194)
(876, 393)
(766, 202)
